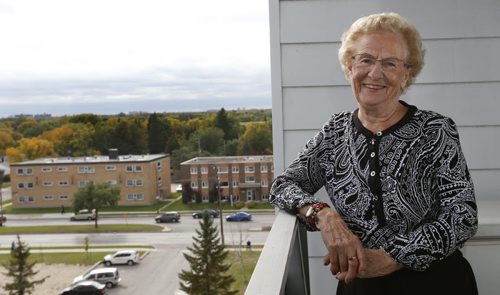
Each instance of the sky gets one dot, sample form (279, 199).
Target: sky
(110, 56)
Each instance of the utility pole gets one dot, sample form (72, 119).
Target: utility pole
(1, 197)
(220, 207)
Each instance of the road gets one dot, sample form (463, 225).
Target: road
(157, 272)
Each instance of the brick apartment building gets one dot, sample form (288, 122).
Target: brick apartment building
(244, 178)
(52, 182)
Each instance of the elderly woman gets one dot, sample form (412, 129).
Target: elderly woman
(403, 199)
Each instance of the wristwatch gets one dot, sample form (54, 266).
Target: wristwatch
(312, 212)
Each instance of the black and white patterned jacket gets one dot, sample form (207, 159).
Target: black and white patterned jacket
(406, 189)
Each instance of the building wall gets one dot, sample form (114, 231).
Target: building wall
(62, 180)
(235, 179)
(461, 79)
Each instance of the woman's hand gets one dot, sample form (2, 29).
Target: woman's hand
(378, 264)
(346, 254)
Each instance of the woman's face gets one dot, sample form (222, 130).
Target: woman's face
(378, 72)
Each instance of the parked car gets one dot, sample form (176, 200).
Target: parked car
(108, 276)
(179, 188)
(239, 216)
(171, 216)
(199, 214)
(84, 214)
(129, 257)
(85, 288)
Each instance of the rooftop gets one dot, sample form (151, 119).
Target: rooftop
(92, 159)
(229, 160)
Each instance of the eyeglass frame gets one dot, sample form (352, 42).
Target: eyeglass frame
(383, 62)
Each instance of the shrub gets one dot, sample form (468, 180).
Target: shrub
(239, 205)
(251, 204)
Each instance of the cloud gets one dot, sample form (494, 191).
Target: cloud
(63, 56)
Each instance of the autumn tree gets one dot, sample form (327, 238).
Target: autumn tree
(21, 271)
(6, 141)
(257, 139)
(34, 148)
(130, 136)
(14, 155)
(207, 274)
(96, 196)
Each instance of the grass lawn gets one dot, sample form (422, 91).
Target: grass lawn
(84, 228)
(242, 268)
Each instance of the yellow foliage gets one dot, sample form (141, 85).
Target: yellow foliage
(34, 148)
(14, 155)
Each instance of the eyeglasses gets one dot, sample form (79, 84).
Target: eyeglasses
(366, 61)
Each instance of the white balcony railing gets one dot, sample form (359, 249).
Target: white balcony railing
(282, 267)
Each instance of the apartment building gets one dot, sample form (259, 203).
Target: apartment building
(240, 178)
(52, 182)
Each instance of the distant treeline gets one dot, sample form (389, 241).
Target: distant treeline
(182, 135)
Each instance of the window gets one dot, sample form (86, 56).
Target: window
(263, 169)
(26, 199)
(194, 170)
(48, 198)
(62, 169)
(224, 184)
(235, 183)
(204, 184)
(133, 168)
(249, 169)
(134, 182)
(46, 169)
(235, 169)
(135, 197)
(204, 170)
(112, 181)
(194, 184)
(249, 178)
(264, 183)
(63, 183)
(63, 197)
(47, 183)
(222, 170)
(24, 171)
(83, 183)
(86, 169)
(110, 168)
(25, 185)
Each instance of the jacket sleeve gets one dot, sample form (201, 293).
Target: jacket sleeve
(454, 219)
(296, 186)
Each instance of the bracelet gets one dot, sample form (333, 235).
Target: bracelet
(312, 212)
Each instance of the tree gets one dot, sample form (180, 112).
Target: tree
(21, 271)
(207, 274)
(228, 125)
(14, 155)
(157, 134)
(187, 193)
(257, 139)
(212, 140)
(96, 196)
(6, 141)
(34, 148)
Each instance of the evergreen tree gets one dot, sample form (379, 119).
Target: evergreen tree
(21, 271)
(157, 134)
(207, 274)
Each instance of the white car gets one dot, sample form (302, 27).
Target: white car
(108, 276)
(179, 188)
(129, 257)
(84, 214)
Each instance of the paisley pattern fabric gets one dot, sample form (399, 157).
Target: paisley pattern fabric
(406, 189)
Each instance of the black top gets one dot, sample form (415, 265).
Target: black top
(405, 189)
